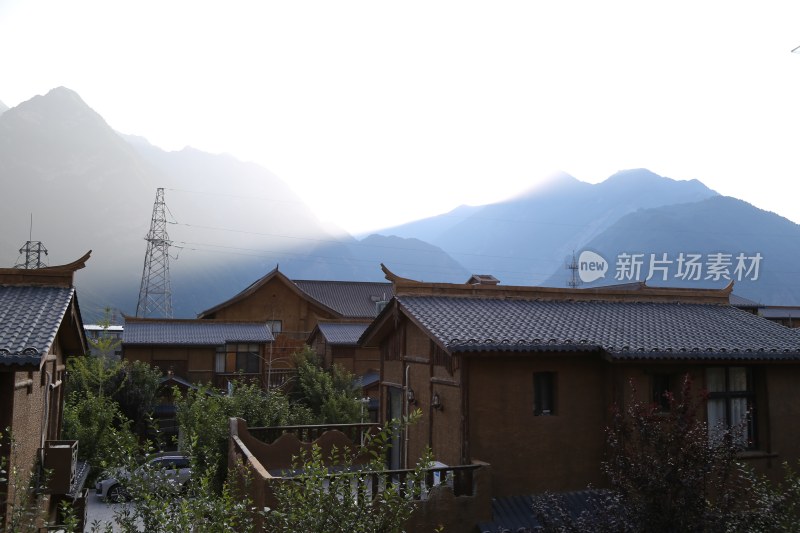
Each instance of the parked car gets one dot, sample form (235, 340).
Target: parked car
(173, 467)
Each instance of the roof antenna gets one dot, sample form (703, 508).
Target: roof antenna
(32, 251)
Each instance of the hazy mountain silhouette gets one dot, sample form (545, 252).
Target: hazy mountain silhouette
(409, 258)
(716, 225)
(3, 108)
(524, 240)
(88, 187)
(84, 187)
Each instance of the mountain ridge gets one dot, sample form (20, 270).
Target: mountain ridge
(556, 219)
(230, 222)
(87, 186)
(716, 225)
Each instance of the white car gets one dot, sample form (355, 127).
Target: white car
(172, 466)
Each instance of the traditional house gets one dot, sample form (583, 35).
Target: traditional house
(522, 378)
(40, 327)
(293, 309)
(203, 351)
(336, 342)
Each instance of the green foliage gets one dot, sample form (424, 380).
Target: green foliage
(101, 428)
(137, 394)
(331, 395)
(24, 505)
(319, 501)
(667, 475)
(105, 344)
(158, 505)
(133, 385)
(104, 399)
(98, 375)
(203, 417)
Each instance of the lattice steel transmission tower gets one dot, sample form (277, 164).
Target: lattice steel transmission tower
(30, 255)
(574, 280)
(155, 294)
(32, 252)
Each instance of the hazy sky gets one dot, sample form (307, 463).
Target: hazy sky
(381, 112)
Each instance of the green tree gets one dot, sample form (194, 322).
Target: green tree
(203, 419)
(100, 427)
(137, 394)
(105, 344)
(133, 385)
(331, 395)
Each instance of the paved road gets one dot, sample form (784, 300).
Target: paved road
(99, 512)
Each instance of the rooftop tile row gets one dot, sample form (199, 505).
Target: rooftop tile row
(626, 330)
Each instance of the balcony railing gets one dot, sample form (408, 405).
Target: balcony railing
(280, 378)
(456, 495)
(354, 432)
(371, 483)
(222, 379)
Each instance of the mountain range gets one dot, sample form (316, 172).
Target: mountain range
(72, 182)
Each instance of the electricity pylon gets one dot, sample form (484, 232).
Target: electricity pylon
(155, 294)
(32, 251)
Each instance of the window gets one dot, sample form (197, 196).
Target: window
(662, 386)
(246, 357)
(219, 360)
(730, 403)
(544, 385)
(275, 326)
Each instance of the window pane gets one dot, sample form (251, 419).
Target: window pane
(661, 389)
(716, 417)
(544, 393)
(715, 379)
(739, 424)
(247, 363)
(738, 378)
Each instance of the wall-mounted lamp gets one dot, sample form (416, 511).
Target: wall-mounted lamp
(410, 396)
(436, 403)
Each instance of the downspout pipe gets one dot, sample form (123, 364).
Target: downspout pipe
(405, 429)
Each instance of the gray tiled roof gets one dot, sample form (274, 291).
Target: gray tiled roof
(351, 299)
(515, 513)
(29, 320)
(626, 330)
(781, 312)
(342, 333)
(742, 302)
(194, 332)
